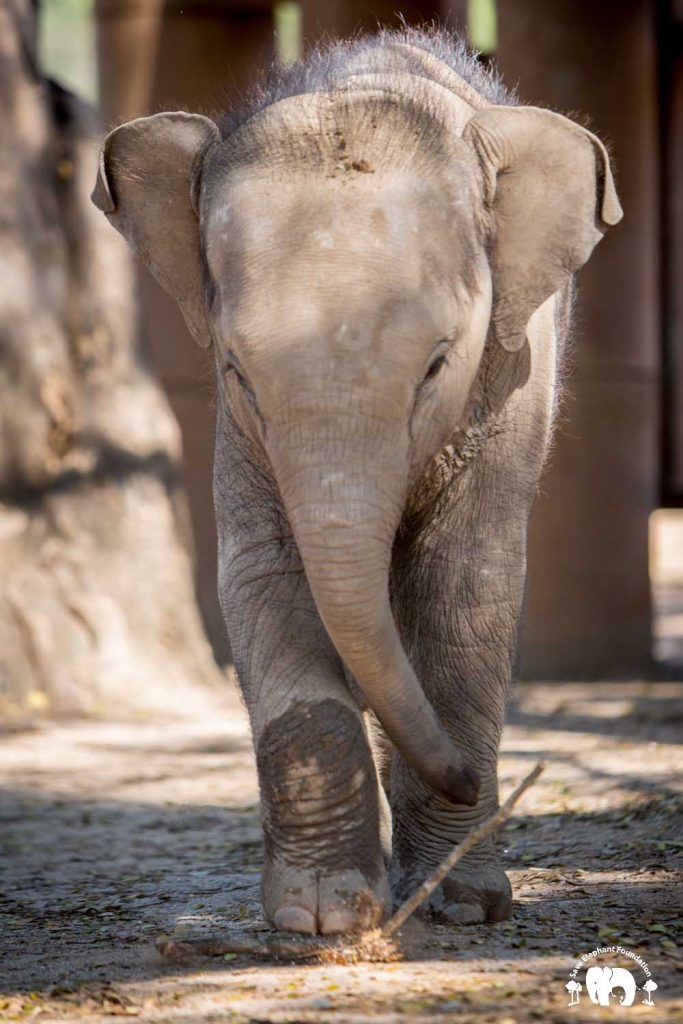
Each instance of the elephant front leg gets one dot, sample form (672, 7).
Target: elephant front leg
(324, 868)
(426, 829)
(459, 610)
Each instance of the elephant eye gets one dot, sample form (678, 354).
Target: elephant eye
(435, 367)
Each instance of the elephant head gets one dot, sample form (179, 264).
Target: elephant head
(601, 980)
(348, 254)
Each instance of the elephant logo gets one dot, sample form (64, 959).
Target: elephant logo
(600, 981)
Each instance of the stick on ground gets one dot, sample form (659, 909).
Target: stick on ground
(481, 832)
(374, 945)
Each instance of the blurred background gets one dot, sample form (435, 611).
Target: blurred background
(106, 519)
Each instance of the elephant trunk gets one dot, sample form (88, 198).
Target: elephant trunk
(344, 515)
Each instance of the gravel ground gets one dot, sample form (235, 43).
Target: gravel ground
(113, 834)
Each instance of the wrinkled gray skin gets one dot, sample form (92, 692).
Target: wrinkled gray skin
(381, 255)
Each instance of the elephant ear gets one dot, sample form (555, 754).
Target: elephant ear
(147, 185)
(549, 187)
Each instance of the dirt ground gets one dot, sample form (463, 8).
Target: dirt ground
(113, 834)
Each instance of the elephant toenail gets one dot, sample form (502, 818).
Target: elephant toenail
(337, 921)
(294, 919)
(464, 913)
(501, 909)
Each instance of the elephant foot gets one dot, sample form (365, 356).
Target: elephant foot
(304, 900)
(464, 898)
(471, 894)
(324, 871)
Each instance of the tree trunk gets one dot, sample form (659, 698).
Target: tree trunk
(97, 605)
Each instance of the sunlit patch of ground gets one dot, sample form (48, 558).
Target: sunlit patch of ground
(113, 834)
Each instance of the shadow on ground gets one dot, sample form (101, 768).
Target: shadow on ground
(113, 834)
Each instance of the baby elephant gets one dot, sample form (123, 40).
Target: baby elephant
(380, 250)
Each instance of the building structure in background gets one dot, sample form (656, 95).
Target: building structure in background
(589, 595)
(671, 208)
(589, 592)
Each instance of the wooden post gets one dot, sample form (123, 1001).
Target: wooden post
(589, 597)
(345, 17)
(198, 56)
(671, 35)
